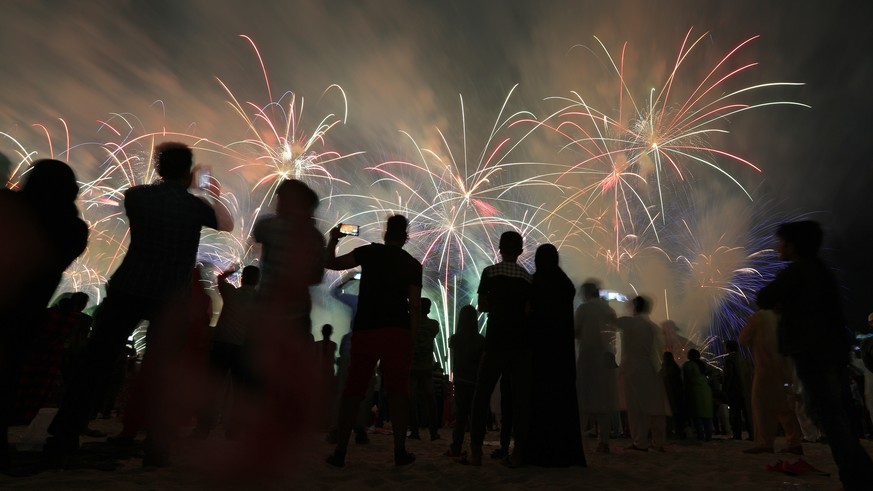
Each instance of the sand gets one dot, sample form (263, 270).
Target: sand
(715, 465)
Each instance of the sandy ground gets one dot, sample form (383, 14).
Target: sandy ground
(686, 465)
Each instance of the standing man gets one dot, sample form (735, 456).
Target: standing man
(227, 351)
(504, 293)
(642, 345)
(152, 283)
(812, 332)
(738, 391)
(384, 328)
(596, 387)
(423, 396)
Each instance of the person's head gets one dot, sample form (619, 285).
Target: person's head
(425, 306)
(870, 319)
(511, 245)
(173, 161)
(799, 240)
(50, 182)
(590, 290)
(295, 199)
(731, 345)
(326, 331)
(468, 319)
(546, 258)
(693, 355)
(251, 276)
(641, 305)
(395, 230)
(668, 357)
(78, 301)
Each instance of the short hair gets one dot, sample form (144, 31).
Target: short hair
(326, 330)
(590, 289)
(292, 193)
(806, 236)
(425, 305)
(79, 300)
(511, 243)
(251, 275)
(173, 160)
(731, 345)
(693, 354)
(641, 305)
(395, 228)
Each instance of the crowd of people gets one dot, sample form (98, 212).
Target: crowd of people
(555, 364)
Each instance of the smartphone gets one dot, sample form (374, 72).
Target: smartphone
(204, 178)
(349, 229)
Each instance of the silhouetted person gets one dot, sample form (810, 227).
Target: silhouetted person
(771, 386)
(325, 361)
(812, 332)
(291, 258)
(422, 393)
(384, 329)
(227, 354)
(555, 437)
(698, 394)
(45, 235)
(152, 283)
(671, 373)
(738, 390)
(504, 294)
(642, 345)
(596, 383)
(346, 292)
(466, 351)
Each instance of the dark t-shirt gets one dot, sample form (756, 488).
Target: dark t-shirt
(165, 222)
(508, 287)
(387, 272)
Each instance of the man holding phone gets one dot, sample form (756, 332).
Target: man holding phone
(384, 327)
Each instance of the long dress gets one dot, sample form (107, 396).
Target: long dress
(554, 439)
(642, 345)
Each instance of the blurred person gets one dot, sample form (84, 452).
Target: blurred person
(227, 349)
(642, 345)
(738, 390)
(698, 394)
(595, 374)
(44, 233)
(671, 373)
(771, 385)
(813, 333)
(152, 283)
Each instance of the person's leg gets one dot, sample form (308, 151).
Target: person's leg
(507, 416)
(659, 431)
(219, 364)
(603, 428)
(415, 397)
(430, 406)
(520, 367)
(463, 403)
(361, 367)
(490, 368)
(396, 357)
(789, 423)
(735, 416)
(826, 386)
(116, 319)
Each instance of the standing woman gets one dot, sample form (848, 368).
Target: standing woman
(554, 438)
(698, 394)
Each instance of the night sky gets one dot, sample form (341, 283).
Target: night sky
(403, 65)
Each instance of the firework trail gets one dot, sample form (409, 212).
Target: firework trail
(635, 161)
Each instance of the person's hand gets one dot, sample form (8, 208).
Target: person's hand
(335, 234)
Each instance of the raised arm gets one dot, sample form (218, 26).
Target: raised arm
(331, 261)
